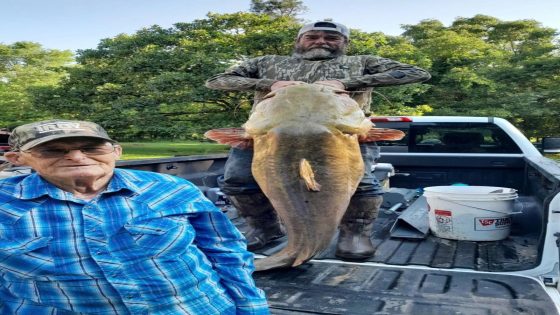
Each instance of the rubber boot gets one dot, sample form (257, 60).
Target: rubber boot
(261, 218)
(356, 228)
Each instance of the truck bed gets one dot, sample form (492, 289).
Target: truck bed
(390, 282)
(517, 252)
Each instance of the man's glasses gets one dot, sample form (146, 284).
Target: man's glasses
(60, 152)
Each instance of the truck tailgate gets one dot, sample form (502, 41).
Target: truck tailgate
(321, 287)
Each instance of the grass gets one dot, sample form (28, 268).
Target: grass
(150, 150)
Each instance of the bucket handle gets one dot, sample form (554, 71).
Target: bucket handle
(517, 205)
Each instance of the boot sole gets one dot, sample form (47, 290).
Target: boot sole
(354, 256)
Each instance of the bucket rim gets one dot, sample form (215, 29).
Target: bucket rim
(472, 197)
(445, 198)
(464, 190)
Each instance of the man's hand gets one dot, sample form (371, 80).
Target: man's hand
(282, 84)
(332, 83)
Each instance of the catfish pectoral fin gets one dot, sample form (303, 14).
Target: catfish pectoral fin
(308, 176)
(378, 134)
(234, 137)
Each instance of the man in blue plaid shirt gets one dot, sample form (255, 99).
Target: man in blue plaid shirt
(78, 236)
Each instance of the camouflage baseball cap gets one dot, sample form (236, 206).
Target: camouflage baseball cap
(30, 135)
(325, 26)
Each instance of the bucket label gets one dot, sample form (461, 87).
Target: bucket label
(446, 213)
(444, 221)
(489, 224)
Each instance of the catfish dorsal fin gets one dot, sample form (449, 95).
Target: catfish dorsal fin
(308, 176)
(234, 137)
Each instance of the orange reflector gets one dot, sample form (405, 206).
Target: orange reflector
(390, 119)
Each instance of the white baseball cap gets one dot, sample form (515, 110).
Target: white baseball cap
(325, 26)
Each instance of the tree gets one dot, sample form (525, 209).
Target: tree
(26, 68)
(278, 8)
(399, 100)
(484, 66)
(151, 84)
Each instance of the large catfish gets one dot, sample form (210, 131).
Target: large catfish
(307, 161)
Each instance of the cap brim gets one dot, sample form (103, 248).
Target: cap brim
(34, 143)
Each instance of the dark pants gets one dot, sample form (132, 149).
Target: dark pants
(238, 179)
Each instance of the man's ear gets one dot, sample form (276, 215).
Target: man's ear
(14, 158)
(118, 151)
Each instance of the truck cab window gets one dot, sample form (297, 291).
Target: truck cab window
(452, 138)
(460, 138)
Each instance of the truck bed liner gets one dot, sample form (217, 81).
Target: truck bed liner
(345, 288)
(517, 252)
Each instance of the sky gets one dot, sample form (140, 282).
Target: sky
(81, 24)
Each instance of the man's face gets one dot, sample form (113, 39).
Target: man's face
(320, 45)
(70, 159)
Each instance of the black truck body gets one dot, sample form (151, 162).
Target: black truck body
(419, 273)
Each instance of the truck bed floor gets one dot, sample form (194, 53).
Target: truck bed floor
(517, 252)
(321, 287)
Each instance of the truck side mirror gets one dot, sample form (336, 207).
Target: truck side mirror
(551, 145)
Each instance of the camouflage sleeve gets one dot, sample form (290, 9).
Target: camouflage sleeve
(383, 72)
(243, 77)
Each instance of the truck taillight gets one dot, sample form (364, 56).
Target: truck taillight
(390, 119)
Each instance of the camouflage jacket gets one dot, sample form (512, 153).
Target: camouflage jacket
(359, 74)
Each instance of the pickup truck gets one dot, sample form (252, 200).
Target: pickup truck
(413, 271)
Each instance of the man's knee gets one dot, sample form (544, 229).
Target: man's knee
(238, 178)
(232, 188)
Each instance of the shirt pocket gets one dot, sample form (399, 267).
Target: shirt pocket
(154, 238)
(27, 258)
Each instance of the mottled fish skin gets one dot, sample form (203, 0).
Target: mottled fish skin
(311, 123)
(307, 161)
(310, 217)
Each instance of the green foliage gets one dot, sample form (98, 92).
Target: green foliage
(277, 8)
(484, 66)
(150, 84)
(25, 69)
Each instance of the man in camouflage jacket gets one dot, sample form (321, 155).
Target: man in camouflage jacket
(319, 57)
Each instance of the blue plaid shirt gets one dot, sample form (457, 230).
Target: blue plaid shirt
(149, 244)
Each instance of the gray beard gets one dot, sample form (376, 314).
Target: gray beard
(318, 53)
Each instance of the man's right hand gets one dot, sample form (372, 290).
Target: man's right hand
(282, 84)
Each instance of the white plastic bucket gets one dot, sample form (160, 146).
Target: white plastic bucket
(473, 213)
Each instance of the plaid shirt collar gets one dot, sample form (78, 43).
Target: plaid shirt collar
(34, 187)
